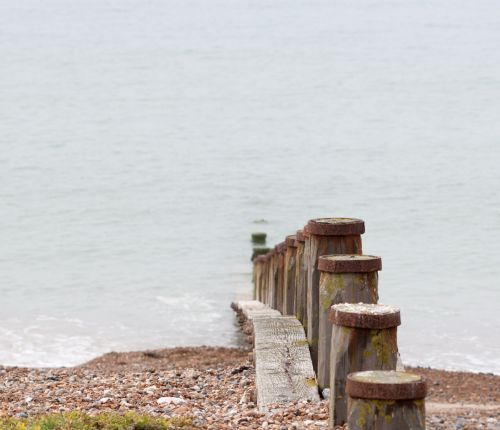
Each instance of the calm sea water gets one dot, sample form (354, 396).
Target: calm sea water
(142, 141)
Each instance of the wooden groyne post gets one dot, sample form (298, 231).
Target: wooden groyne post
(280, 250)
(364, 337)
(290, 261)
(258, 271)
(301, 279)
(386, 400)
(344, 279)
(326, 236)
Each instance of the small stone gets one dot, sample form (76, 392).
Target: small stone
(326, 393)
(170, 400)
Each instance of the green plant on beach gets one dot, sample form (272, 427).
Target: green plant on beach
(103, 421)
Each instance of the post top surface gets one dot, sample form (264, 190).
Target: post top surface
(385, 377)
(335, 226)
(365, 315)
(301, 235)
(291, 241)
(386, 385)
(280, 247)
(349, 263)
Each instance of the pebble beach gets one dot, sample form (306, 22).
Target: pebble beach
(215, 387)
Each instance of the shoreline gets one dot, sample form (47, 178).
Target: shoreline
(234, 347)
(216, 387)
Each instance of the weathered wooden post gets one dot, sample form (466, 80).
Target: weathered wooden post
(344, 279)
(264, 292)
(326, 236)
(301, 280)
(386, 400)
(289, 278)
(364, 337)
(258, 269)
(280, 249)
(271, 280)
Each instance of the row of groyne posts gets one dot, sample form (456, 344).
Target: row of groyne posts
(320, 276)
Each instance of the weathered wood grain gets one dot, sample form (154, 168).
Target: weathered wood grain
(316, 247)
(252, 309)
(356, 349)
(289, 280)
(257, 277)
(301, 285)
(280, 280)
(339, 288)
(284, 371)
(272, 280)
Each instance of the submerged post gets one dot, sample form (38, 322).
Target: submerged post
(290, 262)
(386, 400)
(364, 337)
(326, 236)
(344, 279)
(258, 273)
(259, 238)
(301, 279)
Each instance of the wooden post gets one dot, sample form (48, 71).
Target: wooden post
(289, 278)
(271, 280)
(364, 337)
(386, 400)
(343, 279)
(280, 249)
(264, 291)
(301, 280)
(326, 236)
(258, 270)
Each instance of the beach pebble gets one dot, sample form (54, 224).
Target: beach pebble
(170, 400)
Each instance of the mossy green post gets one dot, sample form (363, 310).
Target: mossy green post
(326, 236)
(386, 401)
(259, 238)
(343, 279)
(364, 337)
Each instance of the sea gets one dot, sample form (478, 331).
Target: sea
(143, 141)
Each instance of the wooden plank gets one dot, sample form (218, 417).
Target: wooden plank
(254, 309)
(283, 365)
